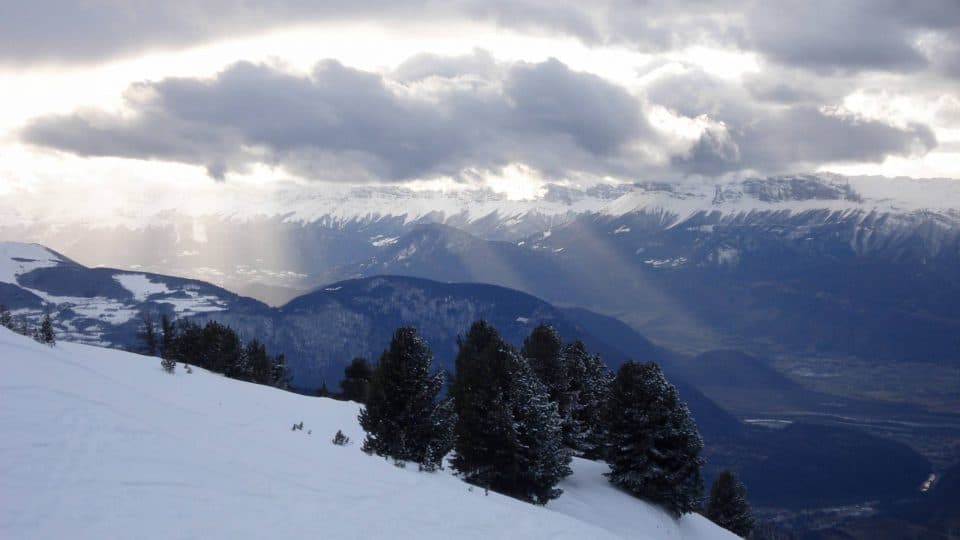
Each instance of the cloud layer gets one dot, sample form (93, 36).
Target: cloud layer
(340, 123)
(846, 35)
(452, 116)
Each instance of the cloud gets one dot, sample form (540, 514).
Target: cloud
(339, 123)
(774, 138)
(821, 35)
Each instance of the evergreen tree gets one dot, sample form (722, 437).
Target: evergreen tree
(508, 432)
(728, 506)
(356, 380)
(544, 351)
(45, 334)
(587, 391)
(168, 335)
(654, 446)
(257, 366)
(281, 375)
(223, 349)
(6, 319)
(401, 414)
(323, 391)
(149, 341)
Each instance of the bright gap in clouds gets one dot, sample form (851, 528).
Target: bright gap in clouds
(369, 47)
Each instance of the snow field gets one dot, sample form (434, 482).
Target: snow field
(99, 443)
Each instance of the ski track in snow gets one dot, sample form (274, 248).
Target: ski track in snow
(98, 443)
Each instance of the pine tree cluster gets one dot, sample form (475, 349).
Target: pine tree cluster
(514, 418)
(44, 333)
(215, 347)
(508, 434)
(577, 382)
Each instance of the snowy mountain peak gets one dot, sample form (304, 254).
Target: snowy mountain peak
(938, 197)
(17, 258)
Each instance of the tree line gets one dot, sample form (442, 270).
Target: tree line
(42, 333)
(512, 420)
(212, 346)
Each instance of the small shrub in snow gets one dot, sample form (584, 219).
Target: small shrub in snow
(340, 439)
(168, 365)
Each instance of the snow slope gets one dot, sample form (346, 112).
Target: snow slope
(98, 443)
(17, 258)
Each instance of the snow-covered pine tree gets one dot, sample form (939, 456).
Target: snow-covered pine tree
(544, 458)
(654, 447)
(508, 432)
(589, 386)
(45, 334)
(401, 413)
(543, 351)
(728, 506)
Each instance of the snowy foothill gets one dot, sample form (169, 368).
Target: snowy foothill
(99, 443)
(17, 258)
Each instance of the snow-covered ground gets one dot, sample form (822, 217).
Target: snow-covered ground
(98, 443)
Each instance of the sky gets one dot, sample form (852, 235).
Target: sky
(131, 98)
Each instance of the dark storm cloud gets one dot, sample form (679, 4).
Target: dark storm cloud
(347, 124)
(776, 138)
(821, 35)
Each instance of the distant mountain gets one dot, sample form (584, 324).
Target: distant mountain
(321, 331)
(805, 265)
(281, 244)
(100, 306)
(275, 246)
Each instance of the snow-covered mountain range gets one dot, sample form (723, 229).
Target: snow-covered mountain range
(274, 244)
